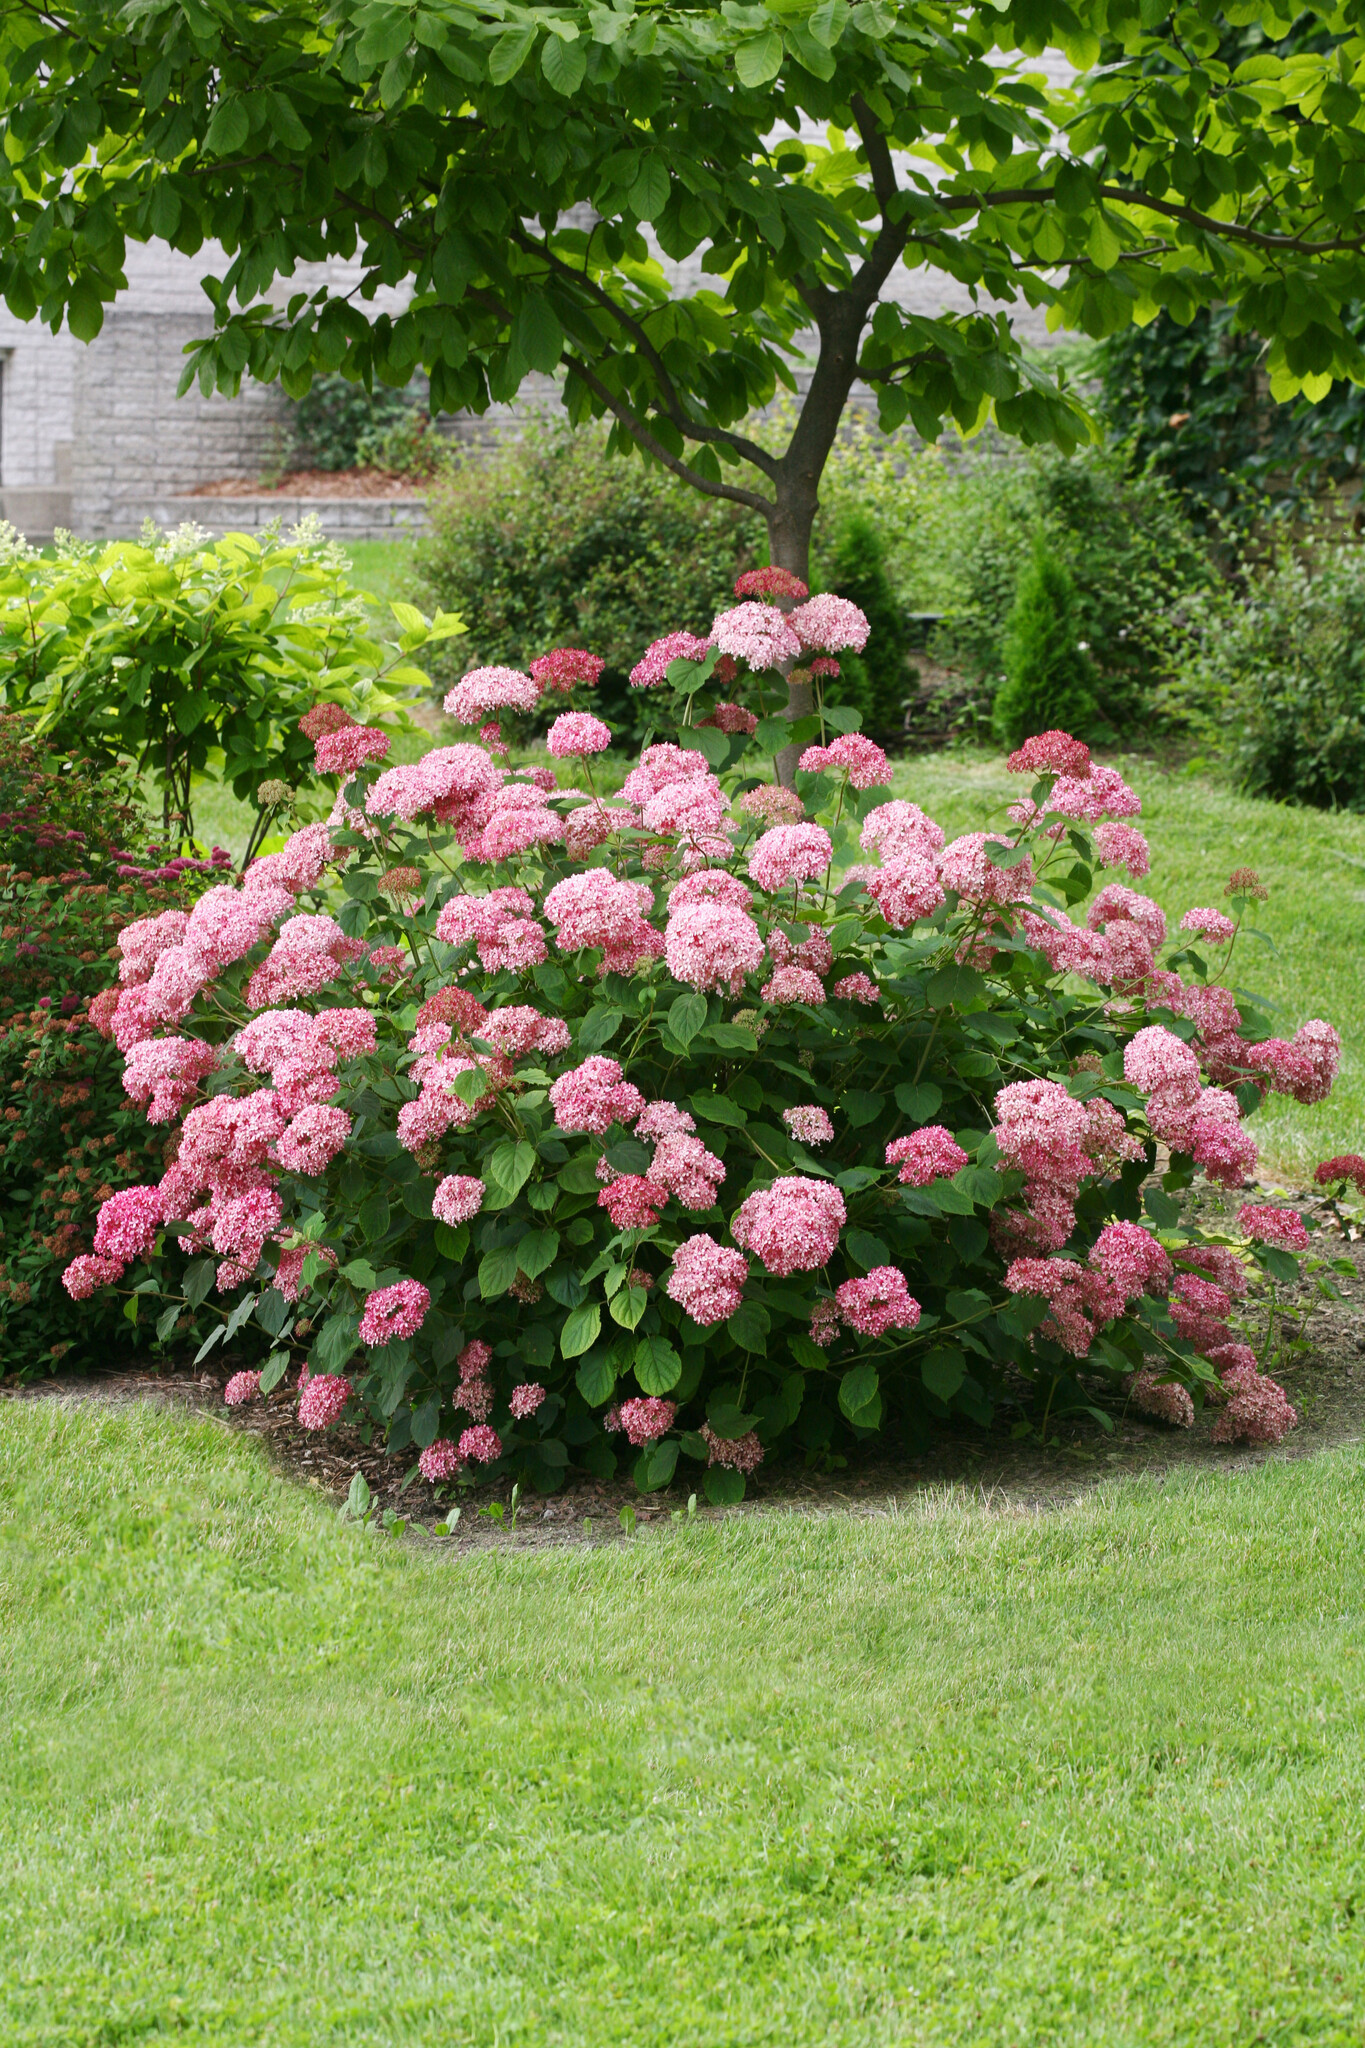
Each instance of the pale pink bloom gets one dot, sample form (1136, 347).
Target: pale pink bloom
(518, 1029)
(475, 1396)
(168, 1071)
(966, 866)
(1321, 1045)
(928, 1154)
(1282, 1228)
(1115, 903)
(900, 831)
(1154, 1058)
(313, 1139)
(791, 1227)
(594, 909)
(439, 1461)
(1123, 846)
(793, 985)
(342, 753)
(480, 1444)
(1130, 1259)
(1051, 753)
(770, 582)
(663, 1120)
(1082, 800)
(489, 689)
(858, 988)
(321, 1400)
(707, 1279)
(814, 952)
(458, 1198)
(241, 1223)
(1042, 1130)
(709, 885)
(712, 945)
(696, 810)
(594, 1096)
(790, 853)
(732, 718)
(682, 1164)
(242, 1387)
(1213, 924)
(652, 667)
(128, 1222)
(863, 760)
(523, 1401)
(577, 733)
(142, 943)
(176, 980)
(392, 1313)
(879, 1303)
(85, 1274)
(776, 806)
(809, 1124)
(737, 1454)
(757, 634)
(905, 890)
(564, 668)
(829, 624)
(502, 926)
(131, 1021)
(645, 1418)
(592, 825)
(450, 777)
(490, 736)
(1166, 1399)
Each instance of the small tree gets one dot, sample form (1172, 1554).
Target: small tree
(505, 161)
(876, 679)
(1049, 682)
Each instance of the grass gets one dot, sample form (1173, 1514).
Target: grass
(1314, 865)
(944, 1777)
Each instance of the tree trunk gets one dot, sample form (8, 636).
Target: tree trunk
(789, 531)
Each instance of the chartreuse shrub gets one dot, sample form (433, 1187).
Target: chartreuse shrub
(719, 1118)
(192, 656)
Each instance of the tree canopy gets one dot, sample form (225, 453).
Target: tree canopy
(517, 169)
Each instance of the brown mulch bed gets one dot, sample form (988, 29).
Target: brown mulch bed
(317, 483)
(1325, 1379)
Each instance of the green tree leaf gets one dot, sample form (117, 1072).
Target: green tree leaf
(758, 61)
(582, 1327)
(564, 63)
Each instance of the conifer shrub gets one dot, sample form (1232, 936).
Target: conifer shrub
(1049, 678)
(716, 1119)
(877, 681)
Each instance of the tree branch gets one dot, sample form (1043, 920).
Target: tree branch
(639, 431)
(1033, 195)
(882, 257)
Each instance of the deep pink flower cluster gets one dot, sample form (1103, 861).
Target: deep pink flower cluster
(707, 1279)
(1079, 1299)
(481, 1445)
(85, 1274)
(566, 668)
(858, 988)
(862, 760)
(1166, 1399)
(880, 1302)
(242, 1387)
(645, 1418)
(594, 1096)
(735, 1454)
(165, 1073)
(1056, 1141)
(1346, 1167)
(1123, 846)
(633, 1202)
(128, 1222)
(322, 1398)
(577, 733)
(652, 667)
(790, 853)
(928, 1154)
(439, 1461)
(770, 582)
(791, 1227)
(1213, 924)
(1204, 1122)
(968, 867)
(731, 718)
(392, 1313)
(456, 783)
(1282, 1228)
(525, 1400)
(349, 749)
(809, 1124)
(1258, 1409)
(1131, 1260)
(502, 926)
(1051, 753)
(458, 1198)
(312, 1138)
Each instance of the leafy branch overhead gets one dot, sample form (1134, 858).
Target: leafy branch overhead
(518, 170)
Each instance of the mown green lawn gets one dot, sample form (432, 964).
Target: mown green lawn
(1095, 1776)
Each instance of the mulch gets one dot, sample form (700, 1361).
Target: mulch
(317, 483)
(1325, 1380)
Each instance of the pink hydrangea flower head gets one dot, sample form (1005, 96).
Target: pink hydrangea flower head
(859, 757)
(790, 853)
(313, 1138)
(663, 1120)
(1246, 882)
(346, 751)
(756, 634)
(652, 667)
(791, 1227)
(289, 1272)
(490, 689)
(770, 583)
(793, 985)
(1051, 753)
(242, 1387)
(1155, 1059)
(905, 890)
(439, 1461)
(827, 625)
(858, 988)
(1123, 846)
(474, 1361)
(771, 803)
(142, 943)
(900, 831)
(1116, 903)
(1213, 924)
(1258, 1410)
(321, 1400)
(1282, 1228)
(932, 1153)
(1347, 1166)
(480, 1445)
(85, 1274)
(968, 867)
(592, 1097)
(324, 718)
(566, 668)
(736, 1454)
(595, 909)
(645, 1418)
(392, 1313)
(577, 733)
(523, 1401)
(712, 945)
(1320, 1046)
(165, 1073)
(732, 718)
(709, 885)
(1166, 1399)
(458, 1198)
(1130, 1259)
(128, 1222)
(809, 1124)
(633, 1202)
(707, 1279)
(880, 1302)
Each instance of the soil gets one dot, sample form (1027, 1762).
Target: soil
(317, 483)
(1323, 1374)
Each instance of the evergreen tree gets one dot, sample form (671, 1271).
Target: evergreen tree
(876, 679)
(1049, 681)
